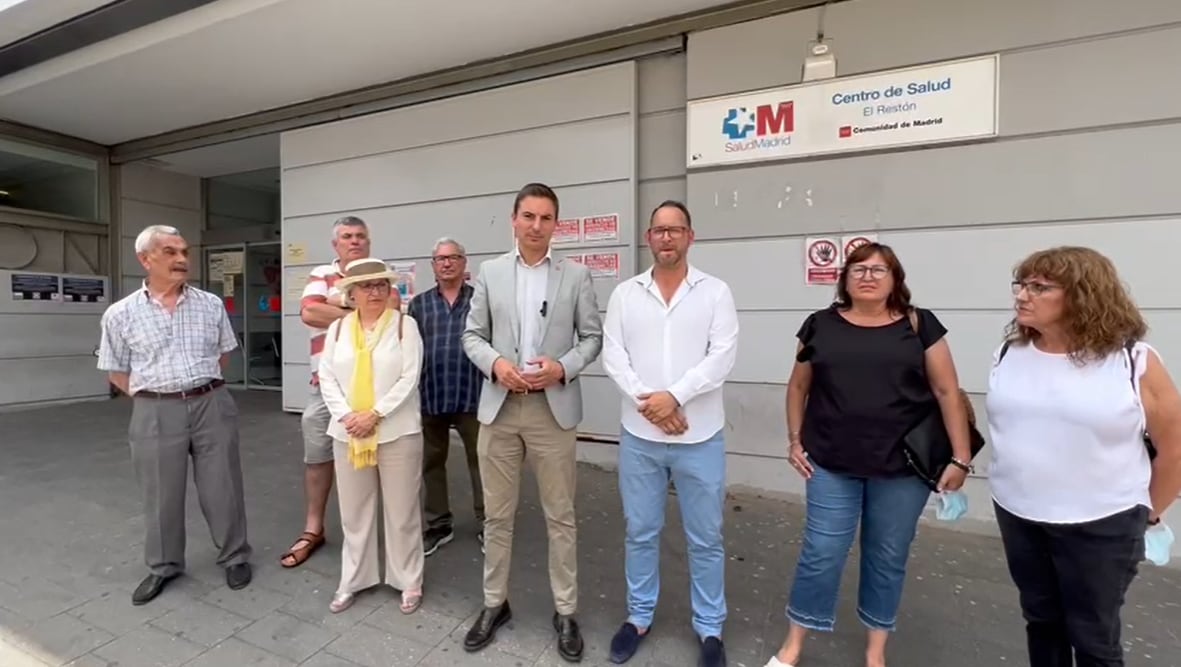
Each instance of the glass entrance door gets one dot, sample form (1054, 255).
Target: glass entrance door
(248, 279)
(263, 298)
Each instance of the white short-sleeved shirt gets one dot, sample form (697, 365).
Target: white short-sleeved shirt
(1067, 439)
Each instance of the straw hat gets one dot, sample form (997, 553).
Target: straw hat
(364, 270)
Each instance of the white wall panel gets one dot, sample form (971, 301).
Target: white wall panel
(1100, 174)
(557, 100)
(51, 379)
(592, 151)
(481, 224)
(452, 168)
(770, 52)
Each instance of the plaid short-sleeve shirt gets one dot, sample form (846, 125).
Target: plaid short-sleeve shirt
(162, 351)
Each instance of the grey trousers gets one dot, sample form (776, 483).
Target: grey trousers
(164, 433)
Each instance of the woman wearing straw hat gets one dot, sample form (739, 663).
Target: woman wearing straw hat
(369, 379)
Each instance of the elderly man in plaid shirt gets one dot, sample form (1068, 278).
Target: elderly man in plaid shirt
(450, 389)
(165, 345)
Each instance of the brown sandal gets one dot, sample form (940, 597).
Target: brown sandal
(298, 554)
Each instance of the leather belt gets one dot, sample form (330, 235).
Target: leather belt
(188, 393)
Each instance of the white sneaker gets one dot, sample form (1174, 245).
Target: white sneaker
(774, 662)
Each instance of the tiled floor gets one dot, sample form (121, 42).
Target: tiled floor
(70, 555)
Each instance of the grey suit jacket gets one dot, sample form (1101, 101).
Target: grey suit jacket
(572, 336)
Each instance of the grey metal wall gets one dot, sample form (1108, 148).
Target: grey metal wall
(1089, 121)
(451, 168)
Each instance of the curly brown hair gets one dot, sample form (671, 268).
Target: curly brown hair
(1099, 315)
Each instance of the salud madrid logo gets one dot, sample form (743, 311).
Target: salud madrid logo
(767, 126)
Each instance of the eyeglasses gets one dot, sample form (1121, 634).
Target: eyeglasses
(445, 259)
(671, 232)
(1033, 287)
(876, 272)
(372, 287)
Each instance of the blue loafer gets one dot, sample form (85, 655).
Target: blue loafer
(625, 643)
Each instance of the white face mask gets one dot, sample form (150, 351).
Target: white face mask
(1158, 542)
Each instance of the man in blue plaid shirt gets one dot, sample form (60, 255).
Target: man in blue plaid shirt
(450, 389)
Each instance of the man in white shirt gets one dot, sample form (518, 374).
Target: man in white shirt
(669, 342)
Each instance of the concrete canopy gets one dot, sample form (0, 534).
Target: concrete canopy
(229, 58)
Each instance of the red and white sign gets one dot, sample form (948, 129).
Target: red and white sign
(567, 231)
(851, 242)
(603, 265)
(822, 261)
(601, 228)
(575, 258)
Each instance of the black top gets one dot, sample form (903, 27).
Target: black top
(869, 387)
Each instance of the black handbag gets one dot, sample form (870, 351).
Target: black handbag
(928, 446)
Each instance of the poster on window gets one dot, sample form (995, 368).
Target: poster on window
(601, 228)
(405, 281)
(567, 232)
(603, 265)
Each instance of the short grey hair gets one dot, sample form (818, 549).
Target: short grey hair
(151, 234)
(347, 221)
(446, 240)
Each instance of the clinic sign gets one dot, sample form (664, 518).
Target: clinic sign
(945, 102)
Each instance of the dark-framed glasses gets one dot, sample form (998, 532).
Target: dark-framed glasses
(876, 272)
(671, 231)
(446, 259)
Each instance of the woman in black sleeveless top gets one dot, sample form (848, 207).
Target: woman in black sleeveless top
(863, 377)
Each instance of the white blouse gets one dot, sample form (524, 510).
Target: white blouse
(396, 368)
(1067, 439)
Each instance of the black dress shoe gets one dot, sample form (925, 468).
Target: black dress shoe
(483, 631)
(238, 576)
(149, 588)
(713, 653)
(569, 637)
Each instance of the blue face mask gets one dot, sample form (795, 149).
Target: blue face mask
(952, 505)
(1158, 542)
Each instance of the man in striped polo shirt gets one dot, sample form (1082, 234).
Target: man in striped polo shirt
(321, 305)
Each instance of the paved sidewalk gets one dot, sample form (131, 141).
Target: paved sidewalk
(70, 555)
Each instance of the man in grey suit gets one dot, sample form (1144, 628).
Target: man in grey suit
(533, 326)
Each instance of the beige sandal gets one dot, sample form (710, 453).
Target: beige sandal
(341, 602)
(411, 601)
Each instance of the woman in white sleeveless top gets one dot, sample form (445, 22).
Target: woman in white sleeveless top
(1070, 395)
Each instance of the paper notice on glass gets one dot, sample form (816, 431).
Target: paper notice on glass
(567, 231)
(216, 268)
(603, 265)
(231, 262)
(296, 252)
(601, 228)
(405, 282)
(227, 285)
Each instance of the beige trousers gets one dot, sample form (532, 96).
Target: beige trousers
(398, 477)
(526, 427)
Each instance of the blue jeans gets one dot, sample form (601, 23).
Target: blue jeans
(699, 472)
(889, 511)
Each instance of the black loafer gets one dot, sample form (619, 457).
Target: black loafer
(483, 631)
(713, 653)
(625, 643)
(238, 576)
(569, 637)
(149, 588)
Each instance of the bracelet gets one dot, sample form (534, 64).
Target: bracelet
(966, 467)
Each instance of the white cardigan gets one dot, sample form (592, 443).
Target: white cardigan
(396, 368)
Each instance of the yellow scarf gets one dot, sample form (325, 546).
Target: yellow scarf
(363, 451)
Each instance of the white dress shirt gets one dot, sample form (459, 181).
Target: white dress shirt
(396, 369)
(532, 282)
(686, 347)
